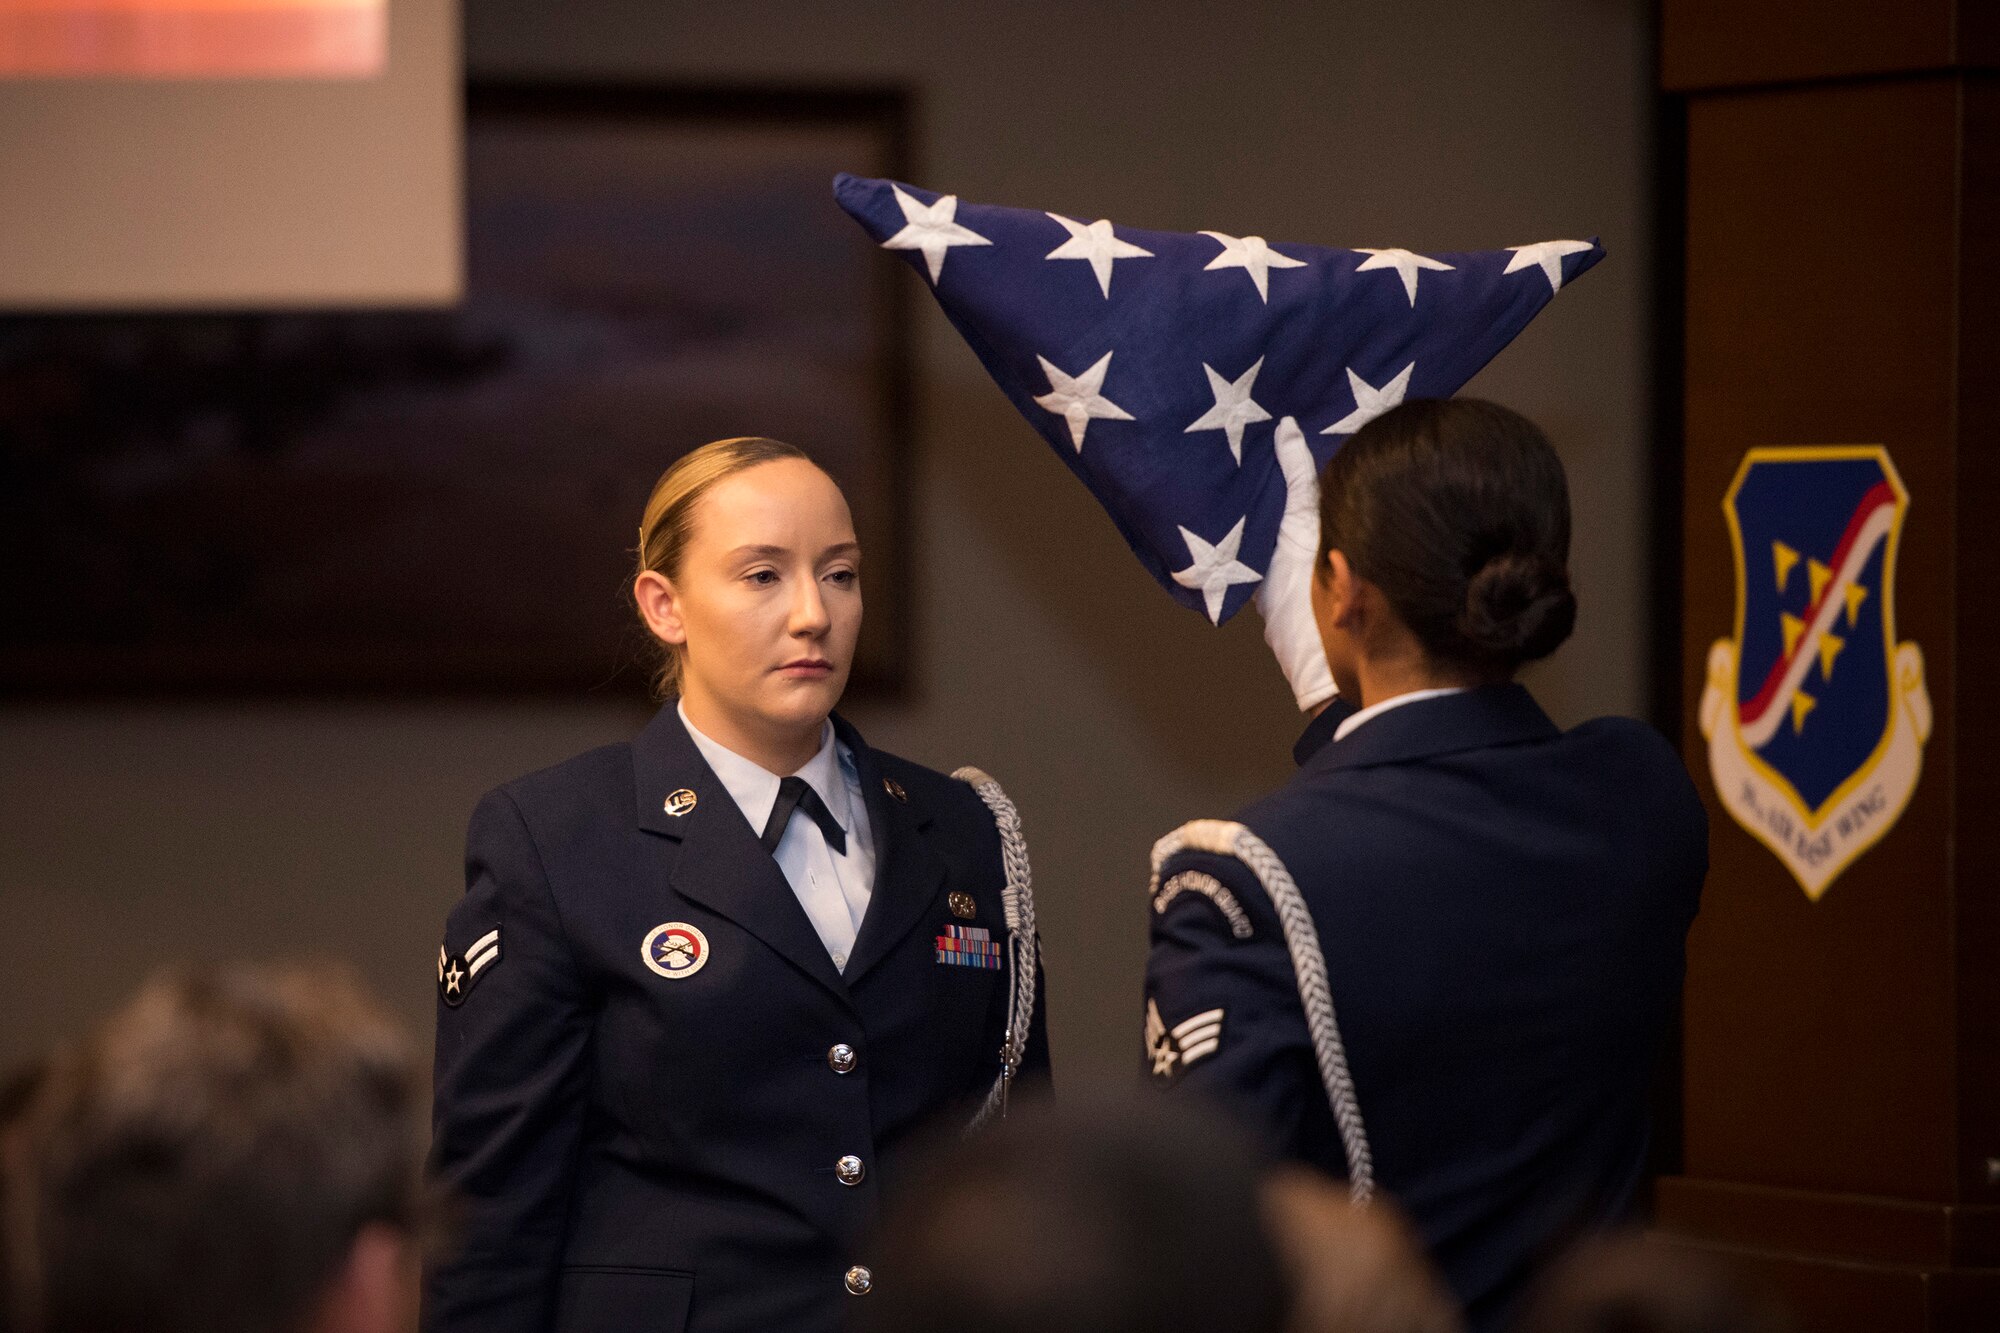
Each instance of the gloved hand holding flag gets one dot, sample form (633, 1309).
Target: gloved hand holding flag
(1197, 384)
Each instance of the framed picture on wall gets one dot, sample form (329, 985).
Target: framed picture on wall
(448, 500)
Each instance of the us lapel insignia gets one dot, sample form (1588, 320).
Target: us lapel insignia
(675, 950)
(895, 789)
(968, 946)
(679, 802)
(457, 972)
(962, 905)
(1815, 712)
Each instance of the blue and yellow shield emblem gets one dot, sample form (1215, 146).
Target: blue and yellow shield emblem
(1815, 716)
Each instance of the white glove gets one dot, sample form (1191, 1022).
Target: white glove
(1282, 598)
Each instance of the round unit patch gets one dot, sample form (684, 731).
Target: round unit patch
(675, 950)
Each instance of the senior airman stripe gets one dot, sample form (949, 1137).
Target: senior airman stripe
(484, 950)
(1198, 1036)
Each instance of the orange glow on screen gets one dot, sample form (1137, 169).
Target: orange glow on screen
(193, 38)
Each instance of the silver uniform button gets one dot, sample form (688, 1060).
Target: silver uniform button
(840, 1059)
(849, 1170)
(860, 1281)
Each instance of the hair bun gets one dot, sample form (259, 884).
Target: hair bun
(1518, 608)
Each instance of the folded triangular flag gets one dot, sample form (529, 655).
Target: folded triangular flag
(1168, 369)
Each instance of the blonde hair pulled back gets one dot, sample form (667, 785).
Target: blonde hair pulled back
(668, 521)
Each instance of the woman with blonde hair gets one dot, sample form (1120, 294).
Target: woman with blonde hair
(704, 986)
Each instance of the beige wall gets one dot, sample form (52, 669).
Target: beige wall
(137, 833)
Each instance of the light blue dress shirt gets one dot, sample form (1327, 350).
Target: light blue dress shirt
(833, 887)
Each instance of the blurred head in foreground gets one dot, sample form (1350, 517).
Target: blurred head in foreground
(234, 1151)
(1354, 1269)
(1640, 1284)
(1137, 1216)
(1120, 1217)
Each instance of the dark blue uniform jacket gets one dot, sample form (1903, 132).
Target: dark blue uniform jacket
(1503, 908)
(638, 1152)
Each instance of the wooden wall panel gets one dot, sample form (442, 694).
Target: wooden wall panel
(1841, 1102)
(1821, 309)
(1975, 704)
(1732, 43)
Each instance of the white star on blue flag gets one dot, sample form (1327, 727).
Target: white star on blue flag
(1149, 348)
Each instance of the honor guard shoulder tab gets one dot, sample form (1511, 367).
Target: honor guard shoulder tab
(1207, 886)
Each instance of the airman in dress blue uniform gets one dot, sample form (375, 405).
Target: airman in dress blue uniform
(641, 1140)
(690, 1013)
(1442, 959)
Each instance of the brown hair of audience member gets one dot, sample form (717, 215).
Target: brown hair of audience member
(1354, 1269)
(234, 1151)
(1633, 1283)
(1128, 1216)
(668, 520)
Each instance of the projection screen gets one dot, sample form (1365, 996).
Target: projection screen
(229, 154)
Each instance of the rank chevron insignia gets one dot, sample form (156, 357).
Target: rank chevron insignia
(1168, 370)
(457, 973)
(1815, 715)
(1172, 1049)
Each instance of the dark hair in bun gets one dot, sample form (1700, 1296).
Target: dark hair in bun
(1458, 510)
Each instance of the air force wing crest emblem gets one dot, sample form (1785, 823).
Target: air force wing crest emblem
(1815, 716)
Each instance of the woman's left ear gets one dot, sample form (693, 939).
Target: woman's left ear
(1337, 589)
(660, 606)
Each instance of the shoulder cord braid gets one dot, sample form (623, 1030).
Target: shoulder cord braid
(1226, 838)
(1018, 903)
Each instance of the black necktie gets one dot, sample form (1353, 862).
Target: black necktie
(797, 794)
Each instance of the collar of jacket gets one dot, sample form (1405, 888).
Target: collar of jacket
(1504, 714)
(1319, 732)
(725, 868)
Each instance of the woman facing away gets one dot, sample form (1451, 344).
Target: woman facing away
(1442, 959)
(704, 986)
